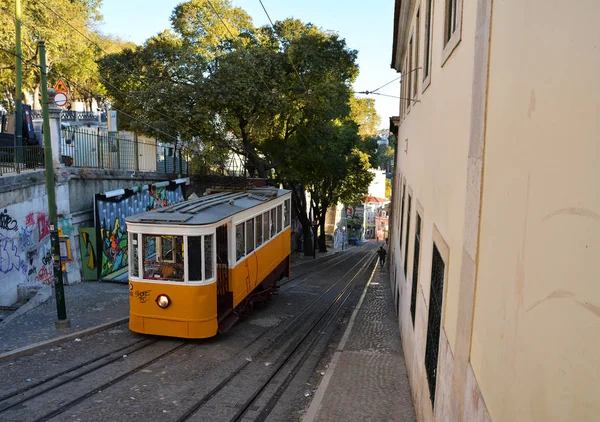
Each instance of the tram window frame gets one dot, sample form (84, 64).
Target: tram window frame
(154, 263)
(273, 221)
(194, 265)
(135, 256)
(258, 226)
(286, 213)
(279, 218)
(249, 236)
(266, 226)
(240, 241)
(208, 252)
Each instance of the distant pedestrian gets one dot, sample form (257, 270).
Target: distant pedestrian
(382, 253)
(386, 241)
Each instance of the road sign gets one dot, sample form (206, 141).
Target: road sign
(60, 99)
(60, 86)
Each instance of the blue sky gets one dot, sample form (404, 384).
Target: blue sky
(366, 25)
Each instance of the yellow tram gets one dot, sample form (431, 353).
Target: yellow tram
(193, 266)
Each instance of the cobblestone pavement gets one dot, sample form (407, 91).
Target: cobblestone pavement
(367, 378)
(88, 304)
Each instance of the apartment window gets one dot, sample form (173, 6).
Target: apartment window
(450, 24)
(452, 27)
(417, 45)
(415, 274)
(410, 72)
(438, 271)
(406, 242)
(402, 214)
(427, 48)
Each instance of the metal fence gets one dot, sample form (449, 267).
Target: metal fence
(87, 147)
(17, 159)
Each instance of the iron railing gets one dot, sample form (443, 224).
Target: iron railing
(97, 149)
(17, 159)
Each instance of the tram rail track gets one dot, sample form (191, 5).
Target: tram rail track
(285, 356)
(49, 384)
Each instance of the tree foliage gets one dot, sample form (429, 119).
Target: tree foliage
(69, 54)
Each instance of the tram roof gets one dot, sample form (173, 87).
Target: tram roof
(209, 209)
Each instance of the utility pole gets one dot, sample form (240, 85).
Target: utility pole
(62, 321)
(19, 85)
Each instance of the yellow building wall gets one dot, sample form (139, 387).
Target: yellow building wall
(536, 342)
(437, 129)
(251, 271)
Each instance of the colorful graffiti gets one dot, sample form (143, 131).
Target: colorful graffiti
(45, 276)
(114, 248)
(65, 225)
(43, 224)
(10, 259)
(7, 222)
(111, 228)
(87, 246)
(25, 238)
(158, 198)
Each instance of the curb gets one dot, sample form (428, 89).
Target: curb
(27, 350)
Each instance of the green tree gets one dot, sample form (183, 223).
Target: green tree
(364, 114)
(40, 23)
(330, 167)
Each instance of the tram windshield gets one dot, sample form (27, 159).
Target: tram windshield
(163, 257)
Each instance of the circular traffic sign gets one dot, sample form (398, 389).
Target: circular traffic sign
(60, 99)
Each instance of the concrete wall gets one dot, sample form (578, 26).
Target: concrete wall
(24, 223)
(536, 342)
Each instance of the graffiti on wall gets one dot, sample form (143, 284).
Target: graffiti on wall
(87, 246)
(111, 228)
(7, 222)
(10, 258)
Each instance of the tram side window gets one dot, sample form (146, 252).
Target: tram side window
(259, 230)
(249, 235)
(195, 258)
(163, 257)
(239, 242)
(208, 256)
(135, 263)
(273, 222)
(266, 231)
(286, 213)
(279, 211)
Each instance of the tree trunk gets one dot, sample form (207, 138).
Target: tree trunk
(322, 244)
(36, 97)
(299, 203)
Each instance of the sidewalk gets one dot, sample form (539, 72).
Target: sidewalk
(90, 306)
(366, 379)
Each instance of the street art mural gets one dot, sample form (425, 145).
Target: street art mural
(24, 248)
(112, 252)
(87, 246)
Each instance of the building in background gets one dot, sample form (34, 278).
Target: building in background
(496, 213)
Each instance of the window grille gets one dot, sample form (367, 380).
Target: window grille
(415, 275)
(438, 268)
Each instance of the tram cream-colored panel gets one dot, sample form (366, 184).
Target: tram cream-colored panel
(535, 348)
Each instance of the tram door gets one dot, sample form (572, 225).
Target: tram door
(224, 296)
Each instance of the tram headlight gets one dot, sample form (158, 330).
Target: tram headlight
(163, 301)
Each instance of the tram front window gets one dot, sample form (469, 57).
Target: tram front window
(163, 257)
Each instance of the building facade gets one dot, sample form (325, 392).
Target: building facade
(496, 215)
